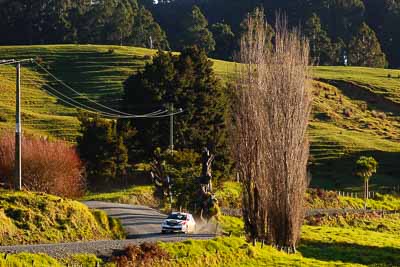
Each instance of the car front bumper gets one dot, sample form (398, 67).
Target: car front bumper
(170, 228)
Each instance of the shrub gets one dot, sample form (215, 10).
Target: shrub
(50, 167)
(379, 115)
(382, 116)
(363, 106)
(147, 57)
(347, 112)
(182, 167)
(3, 119)
(39, 60)
(102, 150)
(319, 198)
(147, 254)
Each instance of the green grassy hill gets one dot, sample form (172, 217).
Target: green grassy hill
(30, 218)
(356, 110)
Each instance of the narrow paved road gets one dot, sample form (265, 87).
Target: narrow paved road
(141, 223)
(138, 221)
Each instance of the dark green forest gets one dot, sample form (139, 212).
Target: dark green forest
(122, 22)
(353, 32)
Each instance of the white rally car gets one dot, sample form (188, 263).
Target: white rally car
(179, 222)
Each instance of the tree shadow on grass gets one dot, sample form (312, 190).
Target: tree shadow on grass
(339, 173)
(351, 253)
(365, 92)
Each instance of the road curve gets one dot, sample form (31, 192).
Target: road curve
(138, 221)
(142, 224)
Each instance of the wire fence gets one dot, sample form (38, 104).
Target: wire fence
(371, 194)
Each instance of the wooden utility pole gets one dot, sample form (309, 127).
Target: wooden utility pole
(171, 127)
(18, 174)
(18, 133)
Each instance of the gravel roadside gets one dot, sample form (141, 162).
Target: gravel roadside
(142, 224)
(103, 248)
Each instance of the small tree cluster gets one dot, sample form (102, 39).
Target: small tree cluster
(47, 166)
(176, 173)
(365, 50)
(177, 177)
(224, 41)
(103, 151)
(189, 82)
(270, 118)
(323, 50)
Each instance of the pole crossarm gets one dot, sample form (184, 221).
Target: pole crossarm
(14, 61)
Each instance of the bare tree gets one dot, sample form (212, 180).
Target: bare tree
(270, 118)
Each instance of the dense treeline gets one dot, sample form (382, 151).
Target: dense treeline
(336, 28)
(353, 32)
(79, 21)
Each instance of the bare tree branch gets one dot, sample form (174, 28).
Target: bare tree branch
(271, 112)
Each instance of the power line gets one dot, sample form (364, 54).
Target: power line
(76, 92)
(74, 103)
(154, 114)
(71, 101)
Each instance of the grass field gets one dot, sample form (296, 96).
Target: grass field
(356, 110)
(383, 82)
(368, 242)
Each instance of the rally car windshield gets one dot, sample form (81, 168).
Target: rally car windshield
(177, 216)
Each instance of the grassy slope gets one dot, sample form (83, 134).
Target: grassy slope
(372, 128)
(136, 195)
(380, 81)
(366, 243)
(29, 218)
(337, 139)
